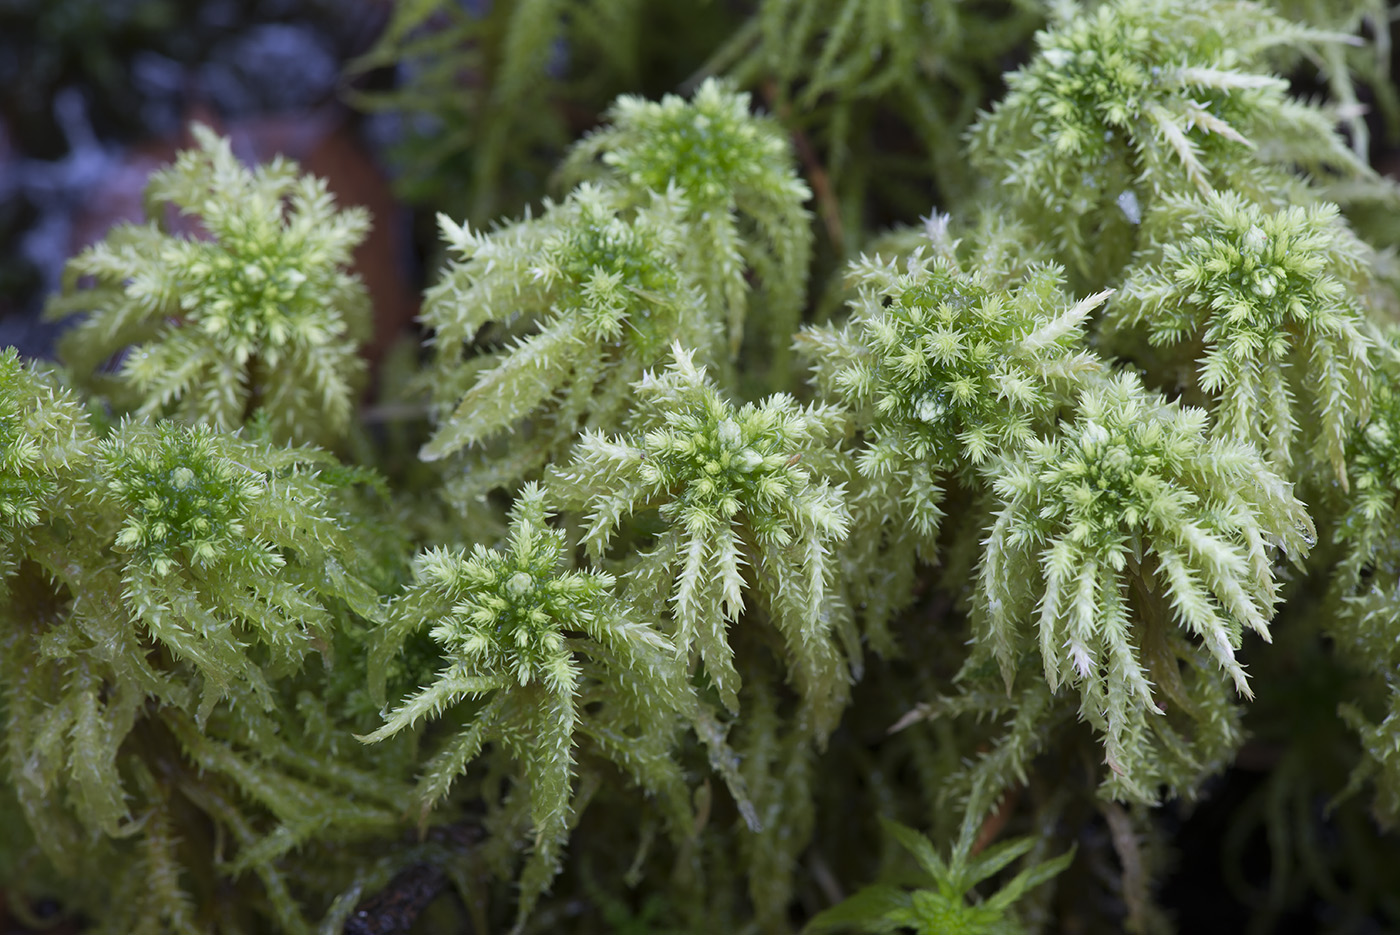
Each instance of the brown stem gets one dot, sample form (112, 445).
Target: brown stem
(995, 823)
(827, 208)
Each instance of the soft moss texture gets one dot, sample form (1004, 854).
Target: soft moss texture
(722, 536)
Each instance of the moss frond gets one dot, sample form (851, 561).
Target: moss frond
(593, 296)
(1271, 302)
(734, 493)
(503, 621)
(1127, 518)
(258, 312)
(1138, 99)
(744, 202)
(944, 372)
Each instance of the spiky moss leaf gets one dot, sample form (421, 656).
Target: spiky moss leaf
(603, 292)
(1137, 99)
(1133, 490)
(63, 719)
(951, 905)
(183, 500)
(734, 492)
(1272, 303)
(260, 314)
(1365, 610)
(944, 371)
(744, 201)
(512, 626)
(182, 544)
(74, 678)
(949, 369)
(43, 437)
(1368, 526)
(226, 539)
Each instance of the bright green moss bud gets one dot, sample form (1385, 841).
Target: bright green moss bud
(947, 369)
(262, 314)
(1133, 489)
(510, 609)
(744, 200)
(711, 148)
(183, 499)
(944, 372)
(735, 488)
(1138, 99)
(1272, 302)
(595, 295)
(513, 626)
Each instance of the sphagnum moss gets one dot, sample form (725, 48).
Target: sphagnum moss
(648, 617)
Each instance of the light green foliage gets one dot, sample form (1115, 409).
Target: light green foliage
(1053, 560)
(42, 431)
(1272, 302)
(734, 493)
(183, 501)
(862, 50)
(504, 622)
(603, 293)
(946, 369)
(167, 556)
(951, 906)
(260, 315)
(1138, 99)
(744, 201)
(1366, 589)
(1126, 519)
(945, 372)
(222, 536)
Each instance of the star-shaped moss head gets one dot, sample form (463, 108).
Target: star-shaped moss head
(260, 312)
(183, 497)
(511, 610)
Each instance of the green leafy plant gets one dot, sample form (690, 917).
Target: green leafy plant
(596, 615)
(262, 316)
(1265, 295)
(944, 908)
(502, 621)
(943, 371)
(733, 492)
(1132, 486)
(744, 202)
(1134, 101)
(606, 296)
